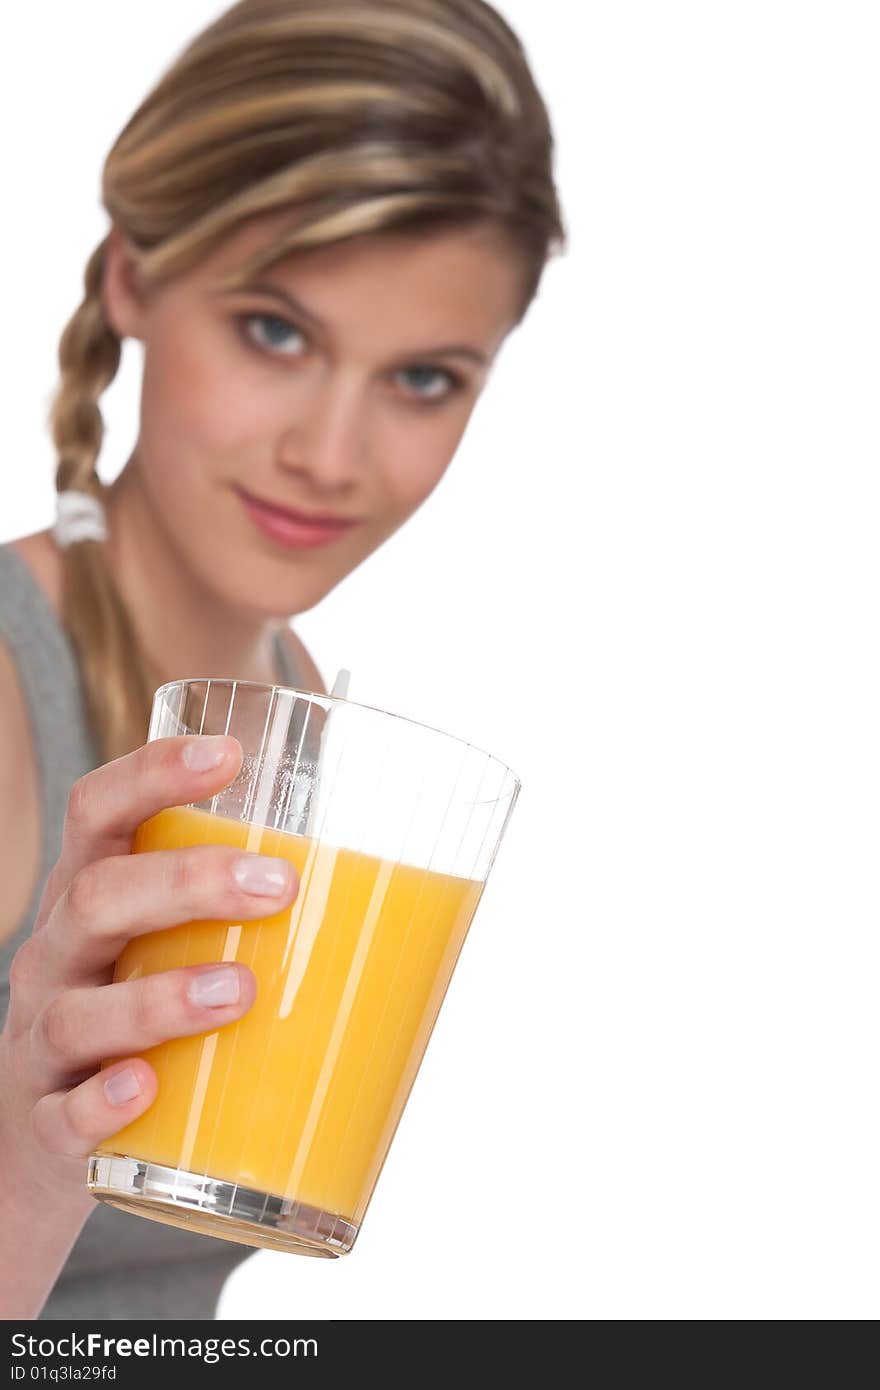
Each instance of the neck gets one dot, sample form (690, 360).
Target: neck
(183, 626)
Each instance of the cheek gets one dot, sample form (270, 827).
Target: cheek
(196, 395)
(418, 452)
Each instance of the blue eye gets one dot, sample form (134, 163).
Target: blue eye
(452, 382)
(425, 384)
(280, 329)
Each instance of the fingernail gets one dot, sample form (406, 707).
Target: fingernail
(262, 875)
(122, 1086)
(215, 987)
(205, 752)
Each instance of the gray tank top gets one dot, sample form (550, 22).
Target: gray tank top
(121, 1266)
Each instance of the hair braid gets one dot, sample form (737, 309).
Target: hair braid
(116, 675)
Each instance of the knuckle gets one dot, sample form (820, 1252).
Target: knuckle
(54, 1027)
(21, 968)
(152, 757)
(81, 801)
(60, 1124)
(42, 1130)
(162, 755)
(147, 1009)
(84, 894)
(201, 878)
(24, 991)
(188, 875)
(53, 889)
(77, 1117)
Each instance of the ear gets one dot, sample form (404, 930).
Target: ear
(122, 294)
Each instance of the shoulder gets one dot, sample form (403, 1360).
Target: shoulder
(43, 559)
(14, 711)
(13, 708)
(19, 799)
(300, 656)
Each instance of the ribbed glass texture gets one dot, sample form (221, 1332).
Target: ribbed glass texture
(393, 827)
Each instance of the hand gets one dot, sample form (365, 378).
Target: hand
(65, 1014)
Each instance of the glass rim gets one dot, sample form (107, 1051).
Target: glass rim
(340, 700)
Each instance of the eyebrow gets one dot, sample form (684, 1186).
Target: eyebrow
(300, 310)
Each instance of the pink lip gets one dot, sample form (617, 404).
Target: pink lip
(288, 529)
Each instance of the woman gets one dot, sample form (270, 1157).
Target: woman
(325, 220)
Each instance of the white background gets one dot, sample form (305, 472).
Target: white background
(648, 582)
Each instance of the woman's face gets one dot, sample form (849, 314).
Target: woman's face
(343, 405)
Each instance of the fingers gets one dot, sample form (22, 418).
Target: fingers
(75, 1122)
(79, 1028)
(112, 900)
(106, 806)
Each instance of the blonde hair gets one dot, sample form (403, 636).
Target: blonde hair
(360, 116)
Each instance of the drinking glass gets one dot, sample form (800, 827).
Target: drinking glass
(272, 1130)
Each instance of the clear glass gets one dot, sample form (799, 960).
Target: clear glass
(272, 1131)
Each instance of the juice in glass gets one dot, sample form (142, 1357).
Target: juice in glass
(301, 1097)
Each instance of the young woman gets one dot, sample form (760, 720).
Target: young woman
(324, 221)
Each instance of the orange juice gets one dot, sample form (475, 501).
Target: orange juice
(300, 1098)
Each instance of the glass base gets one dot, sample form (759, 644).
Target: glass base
(215, 1208)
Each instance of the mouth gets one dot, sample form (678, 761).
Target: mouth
(291, 528)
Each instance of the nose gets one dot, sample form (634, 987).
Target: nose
(329, 440)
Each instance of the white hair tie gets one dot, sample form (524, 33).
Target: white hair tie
(80, 517)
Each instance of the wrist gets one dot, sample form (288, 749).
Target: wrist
(40, 1220)
(35, 1180)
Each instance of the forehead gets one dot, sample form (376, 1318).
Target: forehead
(465, 277)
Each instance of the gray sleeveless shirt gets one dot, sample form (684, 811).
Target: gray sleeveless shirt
(122, 1266)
